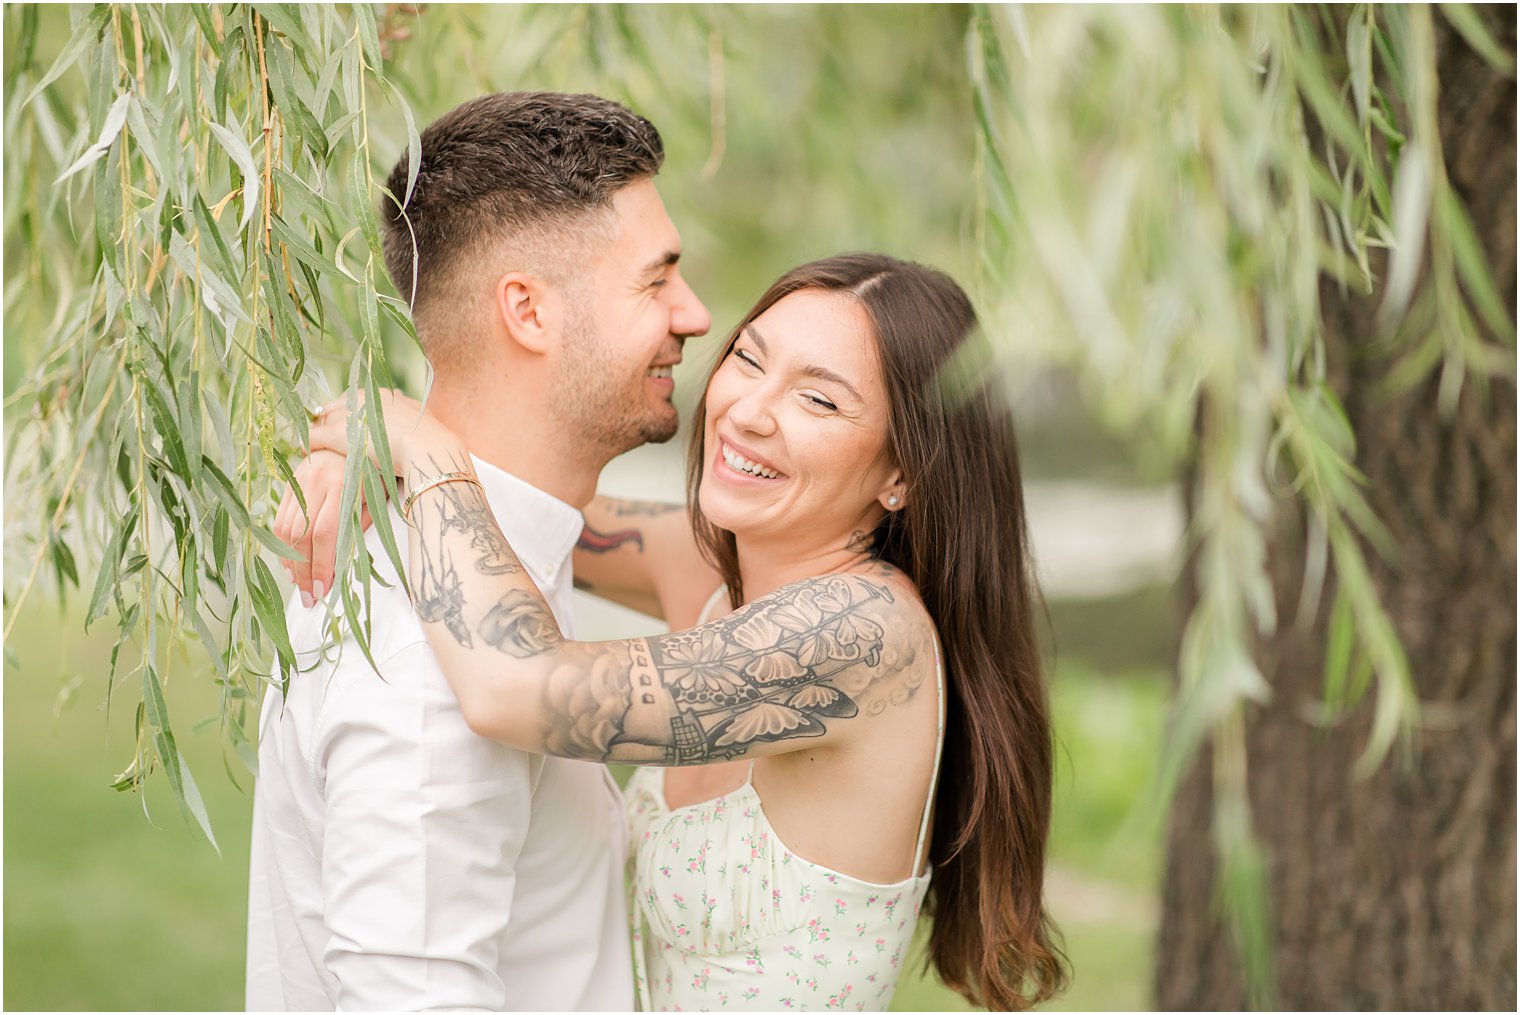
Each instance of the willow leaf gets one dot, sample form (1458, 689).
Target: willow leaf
(1473, 263)
(270, 608)
(379, 512)
(186, 794)
(105, 579)
(370, 38)
(242, 156)
(274, 545)
(298, 246)
(1467, 23)
(298, 116)
(116, 116)
(284, 19)
(88, 31)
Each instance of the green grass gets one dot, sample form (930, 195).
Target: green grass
(105, 910)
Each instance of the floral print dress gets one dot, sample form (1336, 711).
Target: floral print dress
(725, 917)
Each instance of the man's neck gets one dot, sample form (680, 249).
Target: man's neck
(512, 431)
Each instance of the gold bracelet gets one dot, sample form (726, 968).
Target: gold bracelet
(447, 477)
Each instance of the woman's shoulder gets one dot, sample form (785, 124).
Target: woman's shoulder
(871, 622)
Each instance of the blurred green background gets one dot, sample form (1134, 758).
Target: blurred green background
(844, 128)
(107, 907)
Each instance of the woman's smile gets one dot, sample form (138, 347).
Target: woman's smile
(744, 465)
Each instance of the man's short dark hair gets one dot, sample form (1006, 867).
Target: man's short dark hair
(504, 166)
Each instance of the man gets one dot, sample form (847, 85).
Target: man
(399, 861)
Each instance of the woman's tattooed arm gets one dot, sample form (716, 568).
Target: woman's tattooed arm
(794, 665)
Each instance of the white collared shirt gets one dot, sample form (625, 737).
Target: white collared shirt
(401, 862)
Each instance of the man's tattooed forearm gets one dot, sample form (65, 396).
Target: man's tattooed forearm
(781, 669)
(520, 625)
(439, 594)
(593, 541)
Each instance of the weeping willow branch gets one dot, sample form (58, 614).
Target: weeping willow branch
(1163, 190)
(182, 386)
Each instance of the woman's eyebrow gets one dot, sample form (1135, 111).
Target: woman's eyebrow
(822, 373)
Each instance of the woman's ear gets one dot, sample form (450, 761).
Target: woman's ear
(529, 310)
(894, 496)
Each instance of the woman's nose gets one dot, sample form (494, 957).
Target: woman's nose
(753, 411)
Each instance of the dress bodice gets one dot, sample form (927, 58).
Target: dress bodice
(726, 917)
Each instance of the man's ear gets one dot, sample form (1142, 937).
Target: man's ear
(529, 309)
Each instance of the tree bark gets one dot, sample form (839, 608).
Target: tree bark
(1397, 892)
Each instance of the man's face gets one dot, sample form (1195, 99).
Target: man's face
(626, 329)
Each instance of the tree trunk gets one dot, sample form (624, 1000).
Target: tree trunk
(1397, 892)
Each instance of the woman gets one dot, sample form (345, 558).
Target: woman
(863, 522)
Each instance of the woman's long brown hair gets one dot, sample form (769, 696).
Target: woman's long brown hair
(961, 538)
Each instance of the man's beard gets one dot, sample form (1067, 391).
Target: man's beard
(594, 396)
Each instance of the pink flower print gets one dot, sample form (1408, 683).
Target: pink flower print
(812, 982)
(821, 959)
(895, 957)
(776, 898)
(832, 878)
(752, 959)
(860, 930)
(700, 980)
(678, 900)
(750, 993)
(792, 950)
(788, 1002)
(838, 1000)
(682, 930)
(816, 930)
(666, 870)
(871, 900)
(796, 980)
(881, 945)
(871, 978)
(838, 907)
(850, 959)
(723, 998)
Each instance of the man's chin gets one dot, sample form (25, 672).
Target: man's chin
(662, 430)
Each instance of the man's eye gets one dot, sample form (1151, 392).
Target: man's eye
(659, 283)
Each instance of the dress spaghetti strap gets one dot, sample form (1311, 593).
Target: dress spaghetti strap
(712, 604)
(939, 746)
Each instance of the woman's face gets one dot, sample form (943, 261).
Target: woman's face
(796, 422)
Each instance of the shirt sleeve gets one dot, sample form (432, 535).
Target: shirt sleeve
(424, 825)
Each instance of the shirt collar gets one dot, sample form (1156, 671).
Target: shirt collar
(542, 529)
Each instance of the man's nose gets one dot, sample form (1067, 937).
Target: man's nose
(688, 317)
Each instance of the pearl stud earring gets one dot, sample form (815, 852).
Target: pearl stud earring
(892, 501)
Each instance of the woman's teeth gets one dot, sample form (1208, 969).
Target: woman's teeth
(739, 463)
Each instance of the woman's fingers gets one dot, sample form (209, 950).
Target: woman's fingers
(283, 525)
(330, 435)
(324, 548)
